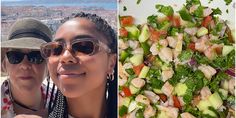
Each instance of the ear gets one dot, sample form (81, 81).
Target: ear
(111, 63)
(3, 65)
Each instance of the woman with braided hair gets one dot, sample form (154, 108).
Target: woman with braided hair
(82, 64)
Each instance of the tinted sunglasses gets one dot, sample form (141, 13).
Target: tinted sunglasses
(16, 57)
(79, 47)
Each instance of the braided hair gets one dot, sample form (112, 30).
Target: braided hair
(59, 107)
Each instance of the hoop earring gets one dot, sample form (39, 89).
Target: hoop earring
(111, 76)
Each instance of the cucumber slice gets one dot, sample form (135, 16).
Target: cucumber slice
(123, 55)
(157, 91)
(181, 89)
(133, 89)
(227, 49)
(215, 100)
(144, 72)
(132, 106)
(209, 112)
(123, 110)
(136, 59)
(144, 34)
(133, 32)
(203, 105)
(126, 101)
(163, 114)
(202, 31)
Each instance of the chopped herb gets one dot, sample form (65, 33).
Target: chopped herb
(185, 55)
(138, 1)
(152, 20)
(166, 10)
(227, 10)
(198, 12)
(124, 8)
(216, 11)
(185, 15)
(227, 2)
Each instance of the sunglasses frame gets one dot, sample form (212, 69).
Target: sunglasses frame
(98, 45)
(22, 53)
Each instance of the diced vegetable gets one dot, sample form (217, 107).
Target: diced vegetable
(209, 112)
(185, 15)
(137, 69)
(206, 21)
(123, 55)
(202, 31)
(203, 105)
(144, 72)
(176, 102)
(180, 89)
(144, 34)
(215, 100)
(136, 59)
(166, 10)
(126, 91)
(133, 89)
(126, 20)
(132, 106)
(223, 93)
(227, 49)
(123, 110)
(133, 32)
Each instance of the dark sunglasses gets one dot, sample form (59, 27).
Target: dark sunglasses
(16, 57)
(79, 47)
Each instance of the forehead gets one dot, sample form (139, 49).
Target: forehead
(77, 27)
(21, 50)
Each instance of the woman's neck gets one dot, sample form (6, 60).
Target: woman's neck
(91, 105)
(32, 98)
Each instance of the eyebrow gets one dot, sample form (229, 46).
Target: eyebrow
(76, 37)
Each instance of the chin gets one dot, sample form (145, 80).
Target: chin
(71, 91)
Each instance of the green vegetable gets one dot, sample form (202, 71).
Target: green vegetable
(123, 110)
(146, 48)
(124, 8)
(227, 2)
(166, 10)
(185, 55)
(215, 100)
(144, 72)
(216, 11)
(144, 34)
(164, 25)
(231, 100)
(201, 59)
(156, 83)
(198, 12)
(188, 96)
(203, 105)
(209, 112)
(136, 59)
(130, 71)
(227, 49)
(138, 1)
(202, 31)
(214, 85)
(132, 106)
(185, 15)
(173, 31)
(123, 55)
(224, 62)
(152, 20)
(180, 89)
(139, 114)
(223, 94)
(133, 32)
(133, 89)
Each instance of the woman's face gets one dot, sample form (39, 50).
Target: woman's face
(25, 75)
(76, 75)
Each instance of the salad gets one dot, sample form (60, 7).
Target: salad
(177, 64)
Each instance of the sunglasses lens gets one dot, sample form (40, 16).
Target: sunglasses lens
(35, 57)
(83, 47)
(51, 49)
(15, 57)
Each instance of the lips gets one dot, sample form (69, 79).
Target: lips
(62, 75)
(26, 77)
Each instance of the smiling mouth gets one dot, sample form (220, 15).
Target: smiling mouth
(72, 75)
(26, 78)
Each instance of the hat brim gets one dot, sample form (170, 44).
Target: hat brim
(23, 43)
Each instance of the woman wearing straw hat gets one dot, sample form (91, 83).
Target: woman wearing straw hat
(81, 61)
(23, 91)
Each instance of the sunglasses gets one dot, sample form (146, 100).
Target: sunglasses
(16, 57)
(79, 47)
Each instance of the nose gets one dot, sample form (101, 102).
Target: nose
(25, 64)
(67, 57)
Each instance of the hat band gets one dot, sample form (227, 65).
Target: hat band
(29, 33)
